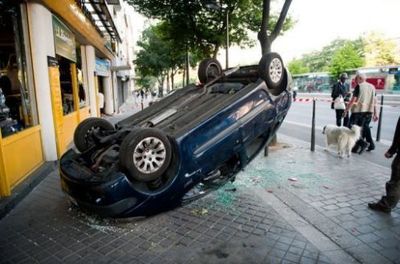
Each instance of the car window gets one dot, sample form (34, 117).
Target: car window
(226, 88)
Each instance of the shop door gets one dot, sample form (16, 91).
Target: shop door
(57, 103)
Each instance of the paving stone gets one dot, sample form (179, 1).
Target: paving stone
(365, 229)
(389, 243)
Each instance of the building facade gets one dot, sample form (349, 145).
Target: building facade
(60, 63)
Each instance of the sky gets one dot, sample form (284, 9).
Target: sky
(321, 21)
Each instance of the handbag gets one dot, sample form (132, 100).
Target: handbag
(338, 104)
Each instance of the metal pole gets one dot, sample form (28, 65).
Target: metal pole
(313, 127)
(227, 39)
(378, 133)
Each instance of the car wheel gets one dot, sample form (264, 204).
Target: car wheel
(209, 69)
(83, 133)
(272, 70)
(145, 154)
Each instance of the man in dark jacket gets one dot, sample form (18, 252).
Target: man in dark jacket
(340, 89)
(388, 202)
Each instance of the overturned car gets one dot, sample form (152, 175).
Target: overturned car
(201, 135)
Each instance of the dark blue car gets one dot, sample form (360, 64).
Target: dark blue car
(169, 153)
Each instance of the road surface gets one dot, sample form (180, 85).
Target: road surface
(298, 124)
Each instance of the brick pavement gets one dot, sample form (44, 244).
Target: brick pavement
(332, 195)
(229, 227)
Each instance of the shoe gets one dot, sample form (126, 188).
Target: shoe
(370, 148)
(363, 146)
(355, 149)
(379, 207)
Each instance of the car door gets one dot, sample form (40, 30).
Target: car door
(256, 123)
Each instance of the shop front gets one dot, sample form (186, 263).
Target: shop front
(48, 77)
(68, 95)
(20, 133)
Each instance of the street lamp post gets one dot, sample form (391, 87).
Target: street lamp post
(227, 39)
(212, 4)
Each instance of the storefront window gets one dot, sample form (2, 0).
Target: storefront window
(81, 88)
(15, 98)
(66, 85)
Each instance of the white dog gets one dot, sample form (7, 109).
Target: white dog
(343, 137)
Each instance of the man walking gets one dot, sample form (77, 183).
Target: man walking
(363, 109)
(388, 202)
(340, 89)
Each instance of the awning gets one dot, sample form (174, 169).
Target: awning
(121, 68)
(98, 13)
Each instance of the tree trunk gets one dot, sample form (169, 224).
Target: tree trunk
(168, 87)
(265, 39)
(172, 80)
(183, 77)
(215, 52)
(161, 86)
(265, 45)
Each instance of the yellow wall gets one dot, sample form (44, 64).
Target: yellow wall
(84, 113)
(70, 122)
(23, 156)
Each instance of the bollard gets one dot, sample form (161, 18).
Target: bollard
(313, 127)
(378, 132)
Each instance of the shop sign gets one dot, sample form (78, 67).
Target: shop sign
(64, 40)
(102, 67)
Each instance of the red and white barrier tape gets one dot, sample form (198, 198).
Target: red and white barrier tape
(328, 100)
(308, 99)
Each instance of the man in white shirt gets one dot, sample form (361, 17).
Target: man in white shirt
(363, 109)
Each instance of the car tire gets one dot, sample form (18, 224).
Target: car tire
(272, 71)
(209, 69)
(82, 133)
(145, 154)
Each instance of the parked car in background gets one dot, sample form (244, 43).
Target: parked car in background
(200, 135)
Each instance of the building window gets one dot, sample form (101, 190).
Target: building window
(16, 100)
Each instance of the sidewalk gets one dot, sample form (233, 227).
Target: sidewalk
(294, 206)
(332, 195)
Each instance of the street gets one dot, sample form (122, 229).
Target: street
(298, 124)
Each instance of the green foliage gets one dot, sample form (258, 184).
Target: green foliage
(205, 29)
(341, 54)
(347, 57)
(147, 83)
(380, 51)
(152, 59)
(320, 61)
(297, 67)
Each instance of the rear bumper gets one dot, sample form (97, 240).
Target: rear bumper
(114, 197)
(105, 199)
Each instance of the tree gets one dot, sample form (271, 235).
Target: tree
(268, 34)
(347, 57)
(146, 82)
(204, 29)
(152, 59)
(297, 67)
(380, 51)
(320, 61)
(160, 55)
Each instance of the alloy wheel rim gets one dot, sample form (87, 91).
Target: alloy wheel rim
(149, 155)
(275, 70)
